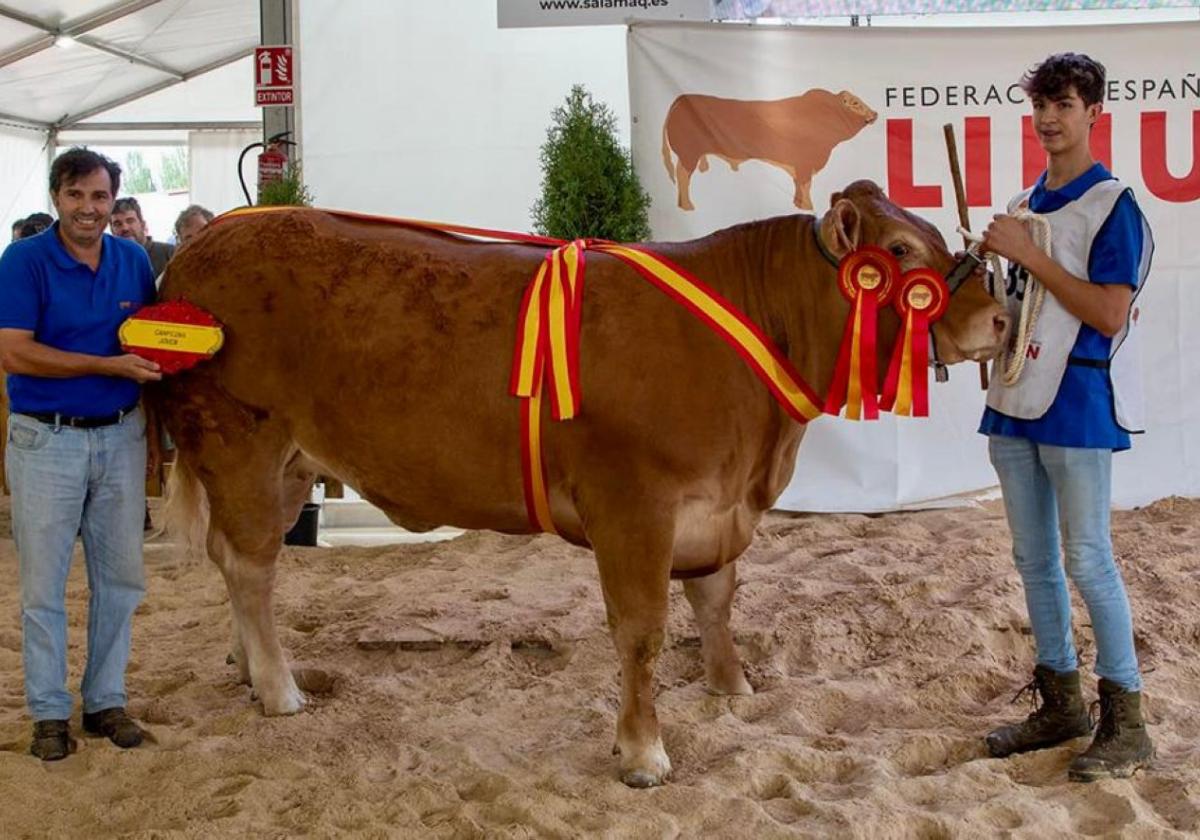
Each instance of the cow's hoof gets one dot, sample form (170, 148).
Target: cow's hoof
(735, 686)
(649, 769)
(641, 779)
(285, 702)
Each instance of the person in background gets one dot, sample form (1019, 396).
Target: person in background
(78, 453)
(35, 224)
(127, 223)
(191, 221)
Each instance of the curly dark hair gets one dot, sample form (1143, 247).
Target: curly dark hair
(77, 162)
(1055, 77)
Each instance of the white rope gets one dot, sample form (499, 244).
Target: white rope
(1035, 294)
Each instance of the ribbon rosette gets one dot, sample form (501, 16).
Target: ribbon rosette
(866, 277)
(176, 334)
(922, 298)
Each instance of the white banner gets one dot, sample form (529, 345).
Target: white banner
(518, 13)
(916, 80)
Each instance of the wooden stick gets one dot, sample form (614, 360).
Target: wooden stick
(960, 198)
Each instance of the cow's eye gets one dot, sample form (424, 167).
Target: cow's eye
(899, 250)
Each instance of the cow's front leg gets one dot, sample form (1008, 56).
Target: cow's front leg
(711, 598)
(635, 573)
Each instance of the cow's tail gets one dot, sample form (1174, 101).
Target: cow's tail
(185, 510)
(666, 153)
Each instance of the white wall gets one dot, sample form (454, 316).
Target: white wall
(436, 113)
(23, 173)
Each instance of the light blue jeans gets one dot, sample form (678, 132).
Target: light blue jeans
(64, 480)
(1053, 489)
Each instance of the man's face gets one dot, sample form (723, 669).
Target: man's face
(127, 225)
(191, 226)
(1063, 122)
(16, 231)
(84, 206)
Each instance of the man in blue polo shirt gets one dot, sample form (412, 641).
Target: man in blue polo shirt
(77, 453)
(1065, 397)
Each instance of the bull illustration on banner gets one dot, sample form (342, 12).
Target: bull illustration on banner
(797, 134)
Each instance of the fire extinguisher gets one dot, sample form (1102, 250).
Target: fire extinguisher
(272, 161)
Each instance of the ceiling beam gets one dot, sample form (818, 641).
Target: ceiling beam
(128, 55)
(24, 122)
(70, 120)
(183, 125)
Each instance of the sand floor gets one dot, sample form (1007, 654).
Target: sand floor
(469, 689)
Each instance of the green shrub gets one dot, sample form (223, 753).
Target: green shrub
(289, 191)
(589, 187)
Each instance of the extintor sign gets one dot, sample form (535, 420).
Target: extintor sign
(274, 76)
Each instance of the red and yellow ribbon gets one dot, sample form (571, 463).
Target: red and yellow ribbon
(866, 277)
(921, 299)
(547, 347)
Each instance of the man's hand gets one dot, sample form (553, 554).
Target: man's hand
(133, 367)
(1008, 237)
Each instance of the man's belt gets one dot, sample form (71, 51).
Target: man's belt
(52, 418)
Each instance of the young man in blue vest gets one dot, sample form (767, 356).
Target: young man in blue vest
(1071, 397)
(77, 455)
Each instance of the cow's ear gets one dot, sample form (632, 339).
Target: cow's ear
(841, 229)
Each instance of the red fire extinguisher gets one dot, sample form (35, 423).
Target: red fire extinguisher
(272, 161)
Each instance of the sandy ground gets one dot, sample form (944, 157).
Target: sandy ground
(881, 649)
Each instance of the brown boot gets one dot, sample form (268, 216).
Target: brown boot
(52, 740)
(1122, 744)
(114, 725)
(1060, 717)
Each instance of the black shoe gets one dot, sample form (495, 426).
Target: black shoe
(52, 740)
(1121, 745)
(114, 725)
(1060, 716)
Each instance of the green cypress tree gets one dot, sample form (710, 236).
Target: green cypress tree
(589, 187)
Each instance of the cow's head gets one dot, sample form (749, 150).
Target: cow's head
(975, 326)
(856, 106)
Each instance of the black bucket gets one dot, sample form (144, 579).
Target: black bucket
(304, 532)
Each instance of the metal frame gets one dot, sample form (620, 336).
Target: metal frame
(70, 120)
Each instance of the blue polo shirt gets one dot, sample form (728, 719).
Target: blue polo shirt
(1082, 413)
(70, 307)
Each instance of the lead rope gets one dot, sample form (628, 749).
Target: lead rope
(1035, 295)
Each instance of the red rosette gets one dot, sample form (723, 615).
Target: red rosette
(176, 334)
(921, 299)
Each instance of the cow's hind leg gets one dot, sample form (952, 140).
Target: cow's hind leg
(253, 483)
(711, 598)
(299, 476)
(635, 574)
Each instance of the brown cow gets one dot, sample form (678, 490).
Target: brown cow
(381, 355)
(796, 134)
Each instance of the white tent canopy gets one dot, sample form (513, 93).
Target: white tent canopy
(107, 74)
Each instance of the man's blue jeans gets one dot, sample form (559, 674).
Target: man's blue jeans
(1048, 489)
(64, 480)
